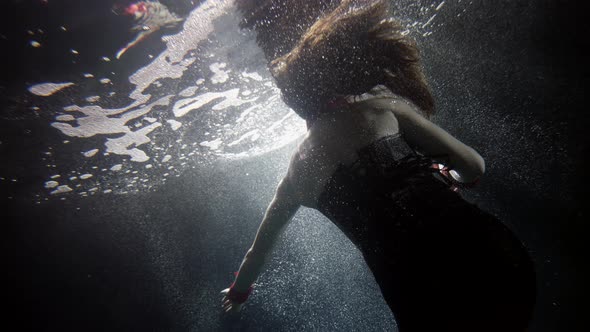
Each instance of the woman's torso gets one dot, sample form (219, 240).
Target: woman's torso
(431, 252)
(335, 139)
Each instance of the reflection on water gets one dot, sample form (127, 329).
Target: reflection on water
(207, 95)
(224, 113)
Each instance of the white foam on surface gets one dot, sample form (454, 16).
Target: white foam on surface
(219, 74)
(51, 184)
(230, 98)
(232, 111)
(213, 145)
(174, 124)
(48, 89)
(188, 92)
(90, 153)
(254, 75)
(65, 118)
(61, 190)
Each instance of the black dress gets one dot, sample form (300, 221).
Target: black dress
(442, 263)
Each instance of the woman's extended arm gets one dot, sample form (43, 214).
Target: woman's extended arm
(279, 212)
(431, 140)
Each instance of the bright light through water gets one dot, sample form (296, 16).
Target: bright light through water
(207, 96)
(232, 110)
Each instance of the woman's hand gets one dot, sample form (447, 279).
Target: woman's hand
(228, 305)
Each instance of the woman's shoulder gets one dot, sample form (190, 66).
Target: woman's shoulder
(334, 140)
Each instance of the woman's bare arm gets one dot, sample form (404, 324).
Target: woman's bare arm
(431, 140)
(282, 208)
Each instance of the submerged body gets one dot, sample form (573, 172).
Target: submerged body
(366, 163)
(442, 264)
(432, 253)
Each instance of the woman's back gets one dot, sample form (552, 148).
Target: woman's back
(334, 139)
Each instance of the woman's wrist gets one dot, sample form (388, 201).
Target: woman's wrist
(238, 296)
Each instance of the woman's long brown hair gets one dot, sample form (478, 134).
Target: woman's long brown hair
(319, 50)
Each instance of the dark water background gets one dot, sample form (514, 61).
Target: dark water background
(157, 260)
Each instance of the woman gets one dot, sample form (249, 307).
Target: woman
(367, 164)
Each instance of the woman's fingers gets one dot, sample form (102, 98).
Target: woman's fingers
(231, 307)
(224, 293)
(228, 304)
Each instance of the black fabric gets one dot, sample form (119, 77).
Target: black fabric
(442, 263)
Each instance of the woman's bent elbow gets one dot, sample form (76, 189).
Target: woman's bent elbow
(476, 168)
(470, 170)
(480, 166)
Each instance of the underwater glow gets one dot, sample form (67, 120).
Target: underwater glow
(207, 96)
(163, 130)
